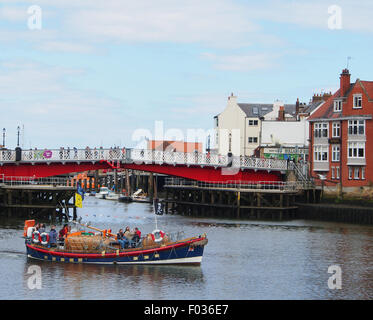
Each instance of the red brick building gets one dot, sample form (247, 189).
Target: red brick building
(341, 135)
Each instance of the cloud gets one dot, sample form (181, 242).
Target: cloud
(64, 46)
(242, 62)
(54, 113)
(13, 14)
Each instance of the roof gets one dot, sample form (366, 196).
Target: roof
(326, 111)
(312, 107)
(260, 109)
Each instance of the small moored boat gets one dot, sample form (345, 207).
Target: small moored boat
(102, 248)
(104, 191)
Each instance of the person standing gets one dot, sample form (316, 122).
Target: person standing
(53, 237)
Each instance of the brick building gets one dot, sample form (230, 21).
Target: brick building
(341, 135)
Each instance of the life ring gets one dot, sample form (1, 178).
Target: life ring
(41, 237)
(157, 235)
(36, 236)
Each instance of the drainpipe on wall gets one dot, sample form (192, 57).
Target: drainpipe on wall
(340, 163)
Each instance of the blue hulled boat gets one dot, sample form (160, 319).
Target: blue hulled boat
(101, 248)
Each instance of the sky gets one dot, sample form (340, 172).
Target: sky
(89, 72)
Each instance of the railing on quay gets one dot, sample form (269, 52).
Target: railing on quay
(240, 185)
(18, 180)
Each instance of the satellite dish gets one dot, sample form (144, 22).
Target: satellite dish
(322, 177)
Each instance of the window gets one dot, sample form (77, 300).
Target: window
(356, 127)
(362, 173)
(349, 172)
(321, 153)
(356, 173)
(335, 153)
(333, 177)
(253, 139)
(337, 105)
(321, 130)
(358, 101)
(337, 172)
(255, 110)
(336, 130)
(253, 122)
(216, 122)
(356, 149)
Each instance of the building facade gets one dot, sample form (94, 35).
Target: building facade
(238, 129)
(341, 135)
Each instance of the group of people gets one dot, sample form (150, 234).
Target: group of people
(128, 238)
(53, 235)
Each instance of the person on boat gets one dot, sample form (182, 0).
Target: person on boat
(42, 228)
(128, 235)
(63, 232)
(137, 236)
(53, 237)
(121, 239)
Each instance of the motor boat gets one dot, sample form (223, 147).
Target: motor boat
(104, 191)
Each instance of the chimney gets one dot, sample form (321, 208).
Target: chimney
(232, 98)
(344, 82)
(297, 108)
(281, 114)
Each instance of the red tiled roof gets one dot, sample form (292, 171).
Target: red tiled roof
(368, 85)
(326, 110)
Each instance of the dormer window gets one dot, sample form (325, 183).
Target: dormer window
(358, 101)
(337, 105)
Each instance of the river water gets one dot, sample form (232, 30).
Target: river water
(243, 260)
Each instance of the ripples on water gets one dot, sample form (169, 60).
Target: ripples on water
(243, 260)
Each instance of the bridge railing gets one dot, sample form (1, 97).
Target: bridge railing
(95, 154)
(203, 159)
(143, 156)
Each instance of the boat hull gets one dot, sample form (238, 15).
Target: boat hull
(180, 253)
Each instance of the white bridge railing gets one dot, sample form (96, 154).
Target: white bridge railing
(124, 155)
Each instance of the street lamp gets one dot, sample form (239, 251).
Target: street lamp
(4, 137)
(18, 129)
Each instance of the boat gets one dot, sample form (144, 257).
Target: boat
(140, 196)
(124, 198)
(104, 191)
(112, 196)
(101, 247)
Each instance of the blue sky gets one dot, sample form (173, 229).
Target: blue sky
(98, 71)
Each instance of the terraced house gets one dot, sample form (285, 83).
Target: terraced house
(341, 136)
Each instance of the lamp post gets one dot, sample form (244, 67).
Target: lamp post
(18, 129)
(4, 137)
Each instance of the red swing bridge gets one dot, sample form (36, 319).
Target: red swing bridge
(202, 167)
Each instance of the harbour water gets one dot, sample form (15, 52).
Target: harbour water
(243, 260)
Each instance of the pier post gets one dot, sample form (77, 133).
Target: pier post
(151, 186)
(128, 184)
(238, 204)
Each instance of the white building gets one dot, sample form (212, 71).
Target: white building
(242, 127)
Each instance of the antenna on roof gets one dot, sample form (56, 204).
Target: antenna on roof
(348, 61)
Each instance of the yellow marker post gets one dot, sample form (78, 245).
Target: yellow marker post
(78, 200)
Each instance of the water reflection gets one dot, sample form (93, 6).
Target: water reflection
(90, 281)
